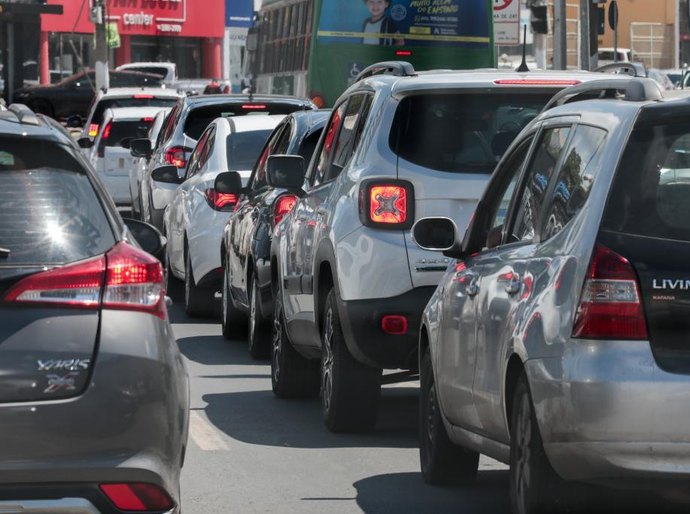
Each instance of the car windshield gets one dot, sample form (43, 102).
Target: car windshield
(142, 100)
(243, 148)
(51, 213)
(462, 132)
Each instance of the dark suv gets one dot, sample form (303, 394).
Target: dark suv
(93, 390)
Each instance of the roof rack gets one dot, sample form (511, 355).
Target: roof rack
(24, 114)
(633, 90)
(634, 69)
(395, 68)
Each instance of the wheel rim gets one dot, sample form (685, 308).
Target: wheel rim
(252, 314)
(277, 343)
(327, 360)
(523, 439)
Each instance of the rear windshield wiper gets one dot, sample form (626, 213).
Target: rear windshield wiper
(4, 253)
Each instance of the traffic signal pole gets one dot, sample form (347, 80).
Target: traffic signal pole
(560, 43)
(101, 45)
(588, 34)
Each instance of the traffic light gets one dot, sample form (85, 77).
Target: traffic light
(539, 19)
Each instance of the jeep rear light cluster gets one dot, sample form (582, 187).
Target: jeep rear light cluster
(284, 204)
(610, 306)
(137, 497)
(125, 278)
(387, 204)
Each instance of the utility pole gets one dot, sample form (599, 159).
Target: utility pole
(589, 43)
(101, 45)
(560, 42)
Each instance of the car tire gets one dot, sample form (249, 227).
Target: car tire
(198, 300)
(350, 390)
(535, 488)
(233, 321)
(292, 375)
(441, 461)
(258, 329)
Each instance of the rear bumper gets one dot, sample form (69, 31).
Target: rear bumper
(361, 322)
(607, 411)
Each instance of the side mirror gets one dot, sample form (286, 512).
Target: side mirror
(148, 237)
(437, 234)
(141, 148)
(74, 121)
(85, 142)
(229, 182)
(166, 174)
(125, 142)
(286, 172)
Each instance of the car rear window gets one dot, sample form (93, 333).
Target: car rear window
(138, 101)
(461, 132)
(200, 118)
(243, 148)
(121, 129)
(50, 213)
(650, 195)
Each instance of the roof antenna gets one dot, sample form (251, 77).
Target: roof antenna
(523, 65)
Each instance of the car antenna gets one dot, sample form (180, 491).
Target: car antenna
(523, 65)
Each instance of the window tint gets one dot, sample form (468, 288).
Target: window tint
(536, 182)
(308, 146)
(243, 148)
(197, 154)
(461, 132)
(116, 131)
(169, 124)
(128, 102)
(346, 138)
(328, 143)
(281, 137)
(575, 179)
(50, 212)
(650, 192)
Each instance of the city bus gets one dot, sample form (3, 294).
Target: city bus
(316, 48)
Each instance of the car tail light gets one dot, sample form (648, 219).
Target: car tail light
(386, 204)
(220, 201)
(610, 306)
(104, 139)
(93, 129)
(125, 278)
(148, 119)
(176, 156)
(284, 204)
(394, 324)
(137, 497)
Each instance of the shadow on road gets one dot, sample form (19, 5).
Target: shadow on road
(258, 417)
(406, 492)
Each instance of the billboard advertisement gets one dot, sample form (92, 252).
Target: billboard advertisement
(405, 22)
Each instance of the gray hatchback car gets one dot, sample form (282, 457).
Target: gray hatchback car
(557, 340)
(94, 395)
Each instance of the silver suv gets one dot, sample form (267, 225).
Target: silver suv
(557, 340)
(350, 284)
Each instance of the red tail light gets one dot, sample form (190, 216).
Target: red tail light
(284, 204)
(125, 278)
(394, 324)
(176, 156)
(104, 139)
(387, 204)
(220, 201)
(93, 129)
(137, 497)
(610, 307)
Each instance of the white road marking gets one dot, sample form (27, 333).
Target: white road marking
(204, 435)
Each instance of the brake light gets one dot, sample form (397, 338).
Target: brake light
(143, 97)
(125, 278)
(394, 324)
(220, 201)
(148, 119)
(610, 306)
(106, 130)
(137, 497)
(253, 107)
(93, 129)
(176, 156)
(104, 139)
(536, 82)
(387, 204)
(284, 204)
(403, 53)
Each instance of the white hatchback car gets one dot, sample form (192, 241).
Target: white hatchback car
(194, 220)
(110, 159)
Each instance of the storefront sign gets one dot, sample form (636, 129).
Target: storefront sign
(239, 13)
(144, 17)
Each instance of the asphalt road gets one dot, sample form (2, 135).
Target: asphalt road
(251, 452)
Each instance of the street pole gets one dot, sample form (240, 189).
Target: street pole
(101, 45)
(560, 42)
(676, 32)
(584, 34)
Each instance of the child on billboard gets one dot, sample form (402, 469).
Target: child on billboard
(379, 23)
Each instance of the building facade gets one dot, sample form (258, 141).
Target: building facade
(187, 32)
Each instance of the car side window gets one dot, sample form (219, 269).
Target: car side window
(195, 160)
(328, 146)
(575, 179)
(499, 209)
(166, 132)
(535, 183)
(278, 144)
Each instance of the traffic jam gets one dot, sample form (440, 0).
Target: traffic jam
(510, 246)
